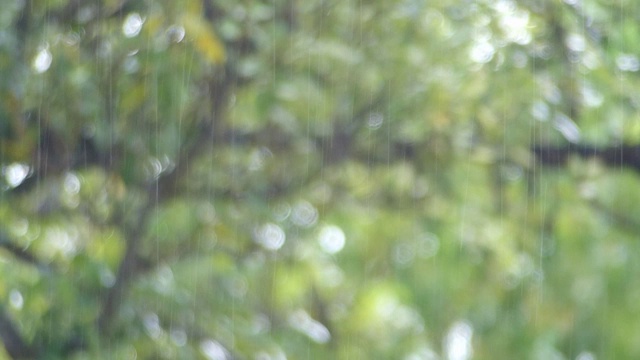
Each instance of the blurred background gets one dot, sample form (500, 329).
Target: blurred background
(287, 179)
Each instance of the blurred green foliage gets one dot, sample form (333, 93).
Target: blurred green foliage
(205, 179)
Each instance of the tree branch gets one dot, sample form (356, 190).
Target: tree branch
(13, 342)
(340, 145)
(126, 272)
(20, 253)
(612, 156)
(164, 188)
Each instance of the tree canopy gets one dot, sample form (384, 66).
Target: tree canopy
(218, 179)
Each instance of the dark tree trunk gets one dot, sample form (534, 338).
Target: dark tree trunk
(612, 156)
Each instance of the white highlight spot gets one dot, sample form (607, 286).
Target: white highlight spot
(585, 355)
(15, 174)
(107, 277)
(19, 227)
(482, 52)
(540, 111)
(304, 214)
(71, 183)
(179, 337)
(15, 299)
(567, 127)
(304, 323)
(212, 350)
(331, 239)
(132, 25)
(270, 236)
(423, 353)
(592, 97)
(153, 168)
(175, 33)
(513, 21)
(152, 325)
(427, 245)
(375, 120)
(458, 341)
(576, 42)
(42, 61)
(627, 62)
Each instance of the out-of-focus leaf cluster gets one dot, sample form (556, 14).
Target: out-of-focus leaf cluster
(298, 179)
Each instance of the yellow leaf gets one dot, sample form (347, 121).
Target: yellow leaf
(193, 6)
(153, 23)
(205, 39)
(134, 98)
